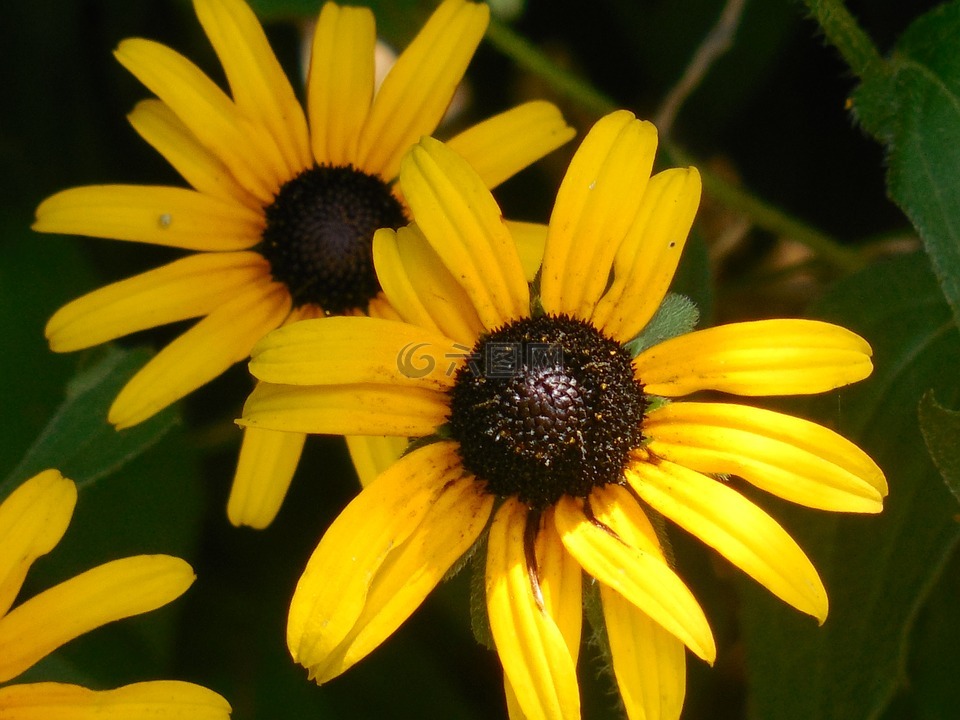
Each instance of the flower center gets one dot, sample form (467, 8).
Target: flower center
(546, 407)
(319, 235)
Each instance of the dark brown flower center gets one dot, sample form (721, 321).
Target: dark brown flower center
(546, 407)
(319, 235)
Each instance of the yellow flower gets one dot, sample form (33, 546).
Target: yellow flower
(284, 202)
(32, 520)
(534, 414)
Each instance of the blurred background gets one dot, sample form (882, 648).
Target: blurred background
(769, 121)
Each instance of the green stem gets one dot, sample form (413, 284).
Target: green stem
(847, 36)
(762, 214)
(770, 218)
(523, 52)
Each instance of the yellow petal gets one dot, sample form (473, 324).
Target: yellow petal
(734, 527)
(33, 518)
(108, 592)
(464, 226)
(765, 357)
(532, 648)
(186, 288)
(265, 468)
(613, 544)
(530, 239)
(417, 90)
(159, 126)
(211, 116)
(341, 350)
(648, 662)
(796, 459)
(175, 217)
(647, 260)
(561, 582)
(332, 591)
(372, 454)
(260, 88)
(340, 81)
(411, 570)
(500, 147)
(420, 287)
(157, 700)
(346, 409)
(216, 342)
(596, 203)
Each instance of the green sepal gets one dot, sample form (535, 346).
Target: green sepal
(479, 620)
(677, 315)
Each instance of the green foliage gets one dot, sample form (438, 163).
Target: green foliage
(78, 440)
(941, 432)
(877, 570)
(912, 105)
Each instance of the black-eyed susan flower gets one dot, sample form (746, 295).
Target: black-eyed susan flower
(283, 203)
(33, 519)
(538, 424)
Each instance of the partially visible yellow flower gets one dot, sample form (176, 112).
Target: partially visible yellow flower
(32, 520)
(284, 204)
(546, 431)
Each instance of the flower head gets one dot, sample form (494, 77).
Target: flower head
(542, 426)
(32, 520)
(284, 201)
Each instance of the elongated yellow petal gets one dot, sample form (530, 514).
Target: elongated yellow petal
(464, 226)
(648, 662)
(216, 342)
(613, 545)
(265, 468)
(108, 592)
(532, 648)
(186, 288)
(647, 260)
(340, 81)
(260, 87)
(411, 571)
(210, 115)
(734, 527)
(158, 125)
(420, 287)
(796, 459)
(596, 203)
(333, 589)
(373, 454)
(33, 518)
(341, 350)
(420, 85)
(157, 700)
(530, 239)
(561, 582)
(500, 147)
(175, 217)
(765, 357)
(346, 409)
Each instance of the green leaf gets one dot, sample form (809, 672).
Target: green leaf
(932, 691)
(941, 432)
(878, 570)
(914, 109)
(78, 440)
